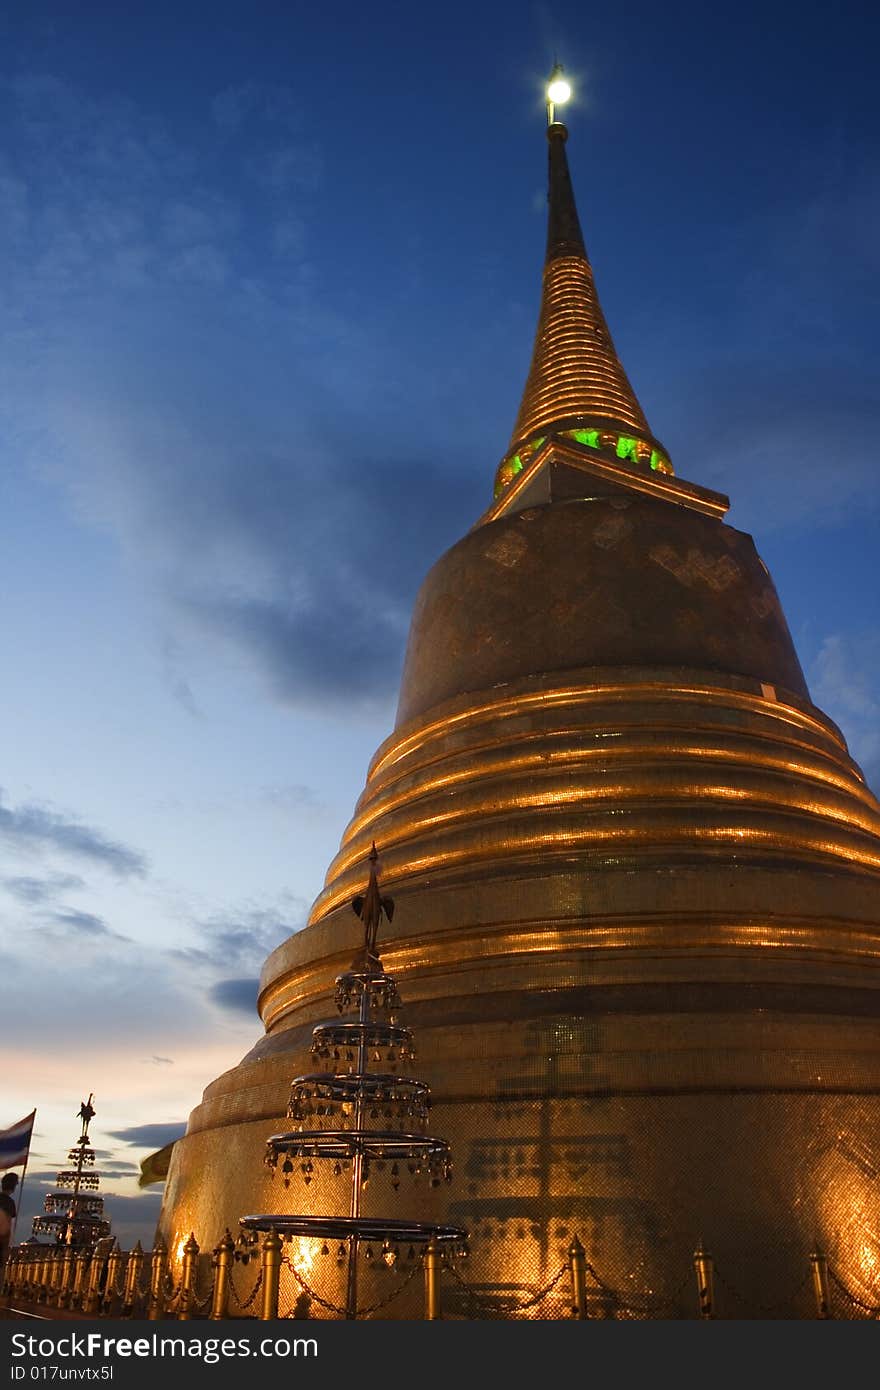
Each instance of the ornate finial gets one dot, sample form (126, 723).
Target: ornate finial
(576, 387)
(369, 907)
(86, 1112)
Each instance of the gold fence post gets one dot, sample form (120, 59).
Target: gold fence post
(92, 1295)
(131, 1296)
(53, 1267)
(705, 1271)
(223, 1255)
(158, 1263)
(31, 1266)
(55, 1275)
(23, 1275)
(9, 1273)
(821, 1286)
(36, 1275)
(114, 1261)
(17, 1262)
(270, 1265)
(79, 1279)
(188, 1279)
(26, 1282)
(432, 1280)
(41, 1275)
(65, 1285)
(577, 1263)
(20, 1277)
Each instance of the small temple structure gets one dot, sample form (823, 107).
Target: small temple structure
(74, 1212)
(637, 878)
(366, 1116)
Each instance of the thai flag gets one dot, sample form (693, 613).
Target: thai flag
(15, 1142)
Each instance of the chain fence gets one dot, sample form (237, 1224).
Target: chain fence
(872, 1309)
(504, 1305)
(123, 1292)
(244, 1305)
(651, 1304)
(331, 1307)
(779, 1307)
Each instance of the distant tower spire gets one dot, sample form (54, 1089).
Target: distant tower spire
(576, 384)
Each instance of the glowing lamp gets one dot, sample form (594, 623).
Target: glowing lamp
(558, 91)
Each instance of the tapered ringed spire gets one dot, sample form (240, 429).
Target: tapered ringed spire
(576, 386)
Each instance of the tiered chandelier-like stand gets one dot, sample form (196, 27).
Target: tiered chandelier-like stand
(362, 1121)
(74, 1214)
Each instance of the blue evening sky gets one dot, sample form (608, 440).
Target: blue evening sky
(269, 276)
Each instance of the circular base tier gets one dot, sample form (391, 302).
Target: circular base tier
(374, 1144)
(368, 1084)
(364, 1227)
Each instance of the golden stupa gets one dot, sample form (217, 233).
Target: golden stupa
(636, 876)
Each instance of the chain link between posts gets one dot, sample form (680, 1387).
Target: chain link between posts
(774, 1307)
(337, 1308)
(650, 1303)
(504, 1305)
(251, 1296)
(203, 1303)
(873, 1309)
(171, 1291)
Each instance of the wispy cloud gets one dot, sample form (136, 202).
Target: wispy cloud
(845, 678)
(243, 938)
(82, 924)
(150, 1136)
(34, 828)
(775, 403)
(38, 891)
(233, 487)
(292, 796)
(240, 995)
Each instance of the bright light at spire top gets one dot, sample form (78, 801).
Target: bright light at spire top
(558, 91)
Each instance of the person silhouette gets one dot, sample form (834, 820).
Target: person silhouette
(8, 1213)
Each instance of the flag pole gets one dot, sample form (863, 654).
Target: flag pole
(33, 1117)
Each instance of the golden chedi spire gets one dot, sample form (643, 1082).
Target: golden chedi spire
(577, 386)
(637, 887)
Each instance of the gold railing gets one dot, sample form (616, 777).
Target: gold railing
(113, 1283)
